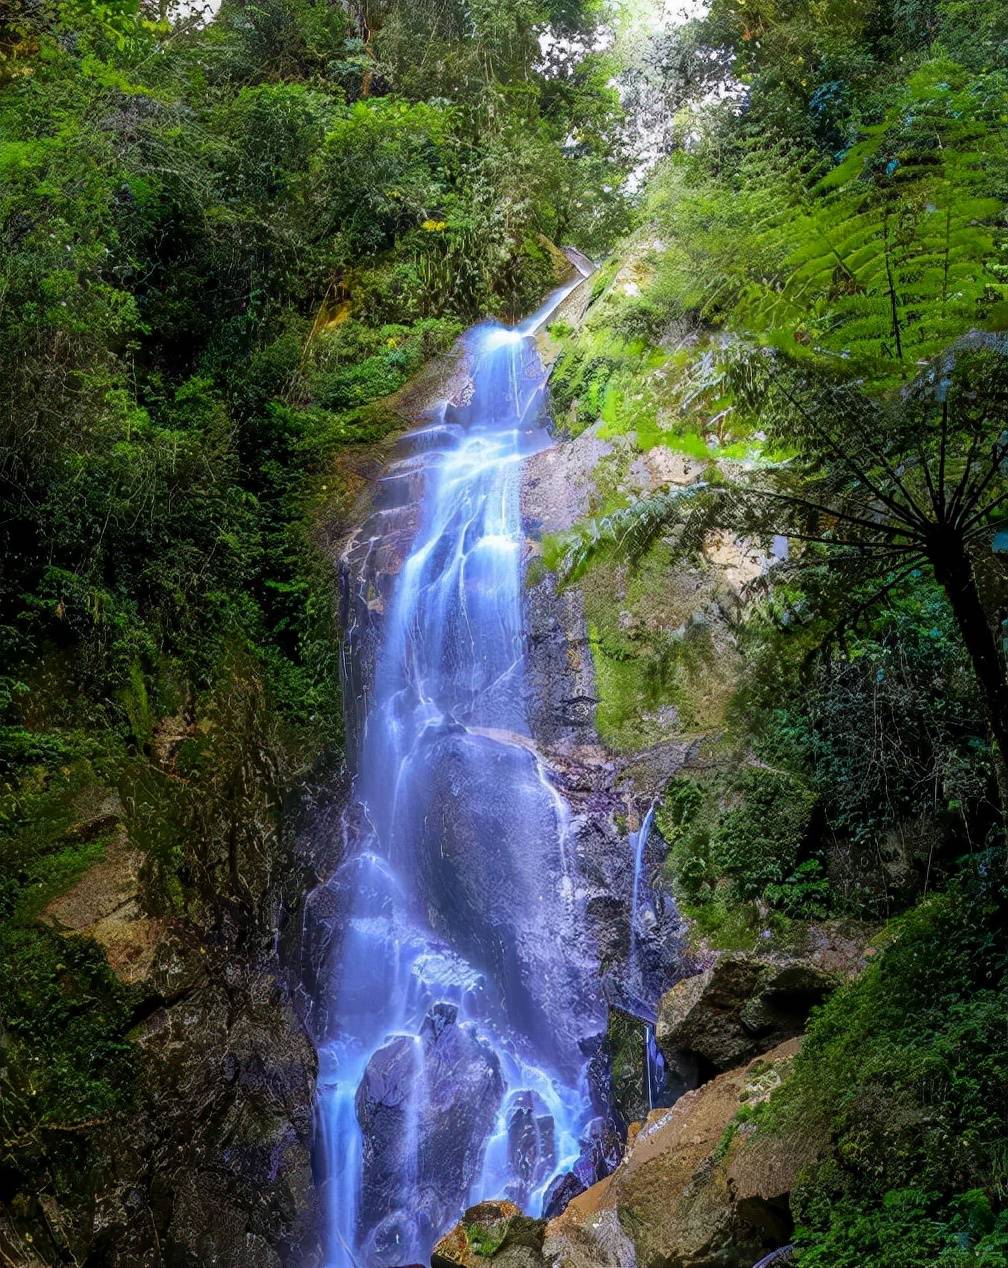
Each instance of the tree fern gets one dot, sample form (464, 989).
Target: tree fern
(918, 479)
(896, 252)
(629, 533)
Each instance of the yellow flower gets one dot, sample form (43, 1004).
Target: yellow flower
(434, 226)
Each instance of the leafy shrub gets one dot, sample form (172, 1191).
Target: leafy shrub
(745, 829)
(64, 1057)
(757, 836)
(886, 727)
(902, 1080)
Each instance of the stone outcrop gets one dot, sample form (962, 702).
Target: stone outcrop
(225, 1135)
(106, 903)
(206, 1158)
(699, 1187)
(211, 1162)
(608, 793)
(738, 1008)
(492, 1233)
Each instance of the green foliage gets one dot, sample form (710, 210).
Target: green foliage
(223, 247)
(643, 670)
(743, 833)
(63, 1055)
(843, 202)
(850, 216)
(897, 251)
(168, 226)
(756, 840)
(902, 1080)
(881, 492)
(55, 815)
(884, 735)
(888, 727)
(211, 826)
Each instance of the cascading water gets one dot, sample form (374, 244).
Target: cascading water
(458, 998)
(643, 987)
(635, 969)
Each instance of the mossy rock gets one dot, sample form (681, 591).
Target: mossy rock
(491, 1232)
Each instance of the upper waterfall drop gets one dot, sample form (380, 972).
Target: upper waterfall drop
(459, 991)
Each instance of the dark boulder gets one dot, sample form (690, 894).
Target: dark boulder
(601, 1150)
(425, 1106)
(531, 1141)
(564, 1189)
(740, 1007)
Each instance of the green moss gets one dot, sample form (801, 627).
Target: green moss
(64, 1057)
(62, 867)
(136, 704)
(742, 832)
(603, 279)
(627, 1062)
(760, 829)
(649, 657)
(745, 1114)
(486, 1241)
(689, 443)
(46, 833)
(722, 925)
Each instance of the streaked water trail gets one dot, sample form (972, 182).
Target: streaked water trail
(456, 998)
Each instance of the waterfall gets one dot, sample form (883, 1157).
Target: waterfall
(635, 974)
(456, 1000)
(644, 986)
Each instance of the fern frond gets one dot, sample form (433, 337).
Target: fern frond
(626, 534)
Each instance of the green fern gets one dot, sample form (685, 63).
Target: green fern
(896, 253)
(629, 533)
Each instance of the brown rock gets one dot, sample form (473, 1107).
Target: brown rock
(105, 903)
(690, 1194)
(492, 1232)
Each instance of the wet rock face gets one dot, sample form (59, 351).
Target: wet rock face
(211, 1163)
(739, 1008)
(625, 1044)
(531, 1143)
(472, 894)
(206, 1160)
(425, 1105)
(608, 794)
(223, 1143)
(106, 903)
(601, 1149)
(556, 486)
(561, 1192)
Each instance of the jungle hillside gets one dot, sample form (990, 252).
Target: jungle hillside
(760, 551)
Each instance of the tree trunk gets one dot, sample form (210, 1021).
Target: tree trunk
(954, 573)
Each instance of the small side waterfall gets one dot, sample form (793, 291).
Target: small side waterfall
(643, 987)
(635, 969)
(457, 994)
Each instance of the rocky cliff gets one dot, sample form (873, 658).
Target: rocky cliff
(207, 1159)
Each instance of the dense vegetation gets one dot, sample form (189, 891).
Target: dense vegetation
(811, 312)
(903, 1073)
(222, 247)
